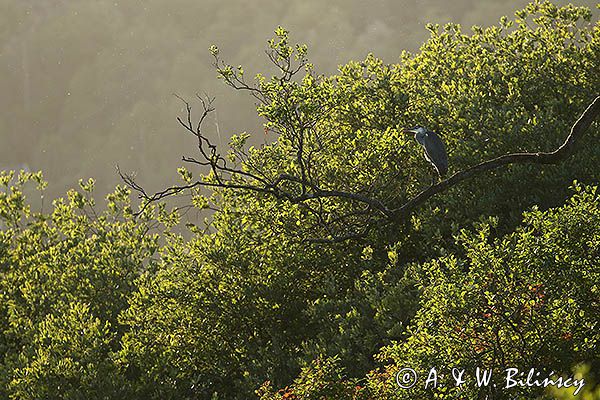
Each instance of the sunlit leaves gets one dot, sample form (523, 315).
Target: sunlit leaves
(64, 280)
(95, 302)
(488, 308)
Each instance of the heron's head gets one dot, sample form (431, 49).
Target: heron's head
(415, 130)
(418, 131)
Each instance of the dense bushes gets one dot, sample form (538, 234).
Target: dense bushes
(526, 299)
(101, 304)
(65, 277)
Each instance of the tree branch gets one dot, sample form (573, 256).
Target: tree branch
(375, 211)
(554, 157)
(335, 213)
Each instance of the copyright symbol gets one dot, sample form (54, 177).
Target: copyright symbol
(406, 378)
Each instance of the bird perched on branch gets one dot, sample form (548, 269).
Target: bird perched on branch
(435, 150)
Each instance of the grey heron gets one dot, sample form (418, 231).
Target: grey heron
(435, 150)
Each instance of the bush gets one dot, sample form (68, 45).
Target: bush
(64, 279)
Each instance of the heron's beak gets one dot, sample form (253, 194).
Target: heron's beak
(409, 131)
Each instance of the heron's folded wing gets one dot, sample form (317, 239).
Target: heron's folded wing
(436, 152)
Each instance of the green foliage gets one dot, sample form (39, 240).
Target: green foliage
(513, 87)
(68, 357)
(65, 277)
(525, 299)
(591, 390)
(323, 379)
(224, 313)
(101, 304)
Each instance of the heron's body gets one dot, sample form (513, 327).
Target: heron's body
(435, 150)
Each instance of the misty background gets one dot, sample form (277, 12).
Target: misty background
(86, 85)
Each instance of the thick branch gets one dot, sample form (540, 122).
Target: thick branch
(554, 157)
(238, 178)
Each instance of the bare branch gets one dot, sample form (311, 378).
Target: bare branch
(306, 192)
